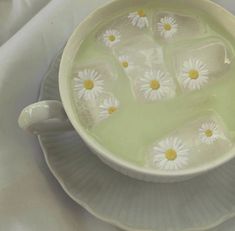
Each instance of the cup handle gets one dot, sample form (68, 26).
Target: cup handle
(44, 116)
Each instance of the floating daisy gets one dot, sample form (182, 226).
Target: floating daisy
(170, 154)
(208, 132)
(167, 27)
(125, 61)
(108, 107)
(155, 85)
(88, 84)
(194, 74)
(138, 19)
(111, 37)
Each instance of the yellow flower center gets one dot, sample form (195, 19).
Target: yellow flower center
(193, 74)
(112, 38)
(111, 110)
(154, 84)
(125, 64)
(208, 133)
(167, 26)
(170, 154)
(88, 84)
(141, 13)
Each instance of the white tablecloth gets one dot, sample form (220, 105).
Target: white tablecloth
(30, 198)
(15, 13)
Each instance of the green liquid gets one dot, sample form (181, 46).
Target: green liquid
(136, 125)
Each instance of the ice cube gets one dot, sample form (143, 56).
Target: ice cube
(142, 60)
(172, 26)
(91, 113)
(123, 28)
(92, 83)
(152, 84)
(202, 140)
(141, 50)
(200, 63)
(97, 74)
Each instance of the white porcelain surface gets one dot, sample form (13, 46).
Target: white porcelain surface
(44, 116)
(200, 203)
(30, 198)
(227, 226)
(216, 12)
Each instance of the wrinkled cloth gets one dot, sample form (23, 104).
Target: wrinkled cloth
(30, 197)
(15, 13)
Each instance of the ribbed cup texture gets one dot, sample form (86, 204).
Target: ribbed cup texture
(196, 204)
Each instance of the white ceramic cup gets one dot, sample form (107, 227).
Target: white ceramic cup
(50, 115)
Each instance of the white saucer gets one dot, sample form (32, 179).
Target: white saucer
(198, 204)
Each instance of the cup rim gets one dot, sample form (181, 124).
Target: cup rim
(100, 150)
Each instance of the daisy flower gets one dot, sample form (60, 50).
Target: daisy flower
(167, 27)
(194, 74)
(111, 37)
(208, 132)
(155, 85)
(88, 84)
(170, 154)
(138, 19)
(108, 107)
(125, 61)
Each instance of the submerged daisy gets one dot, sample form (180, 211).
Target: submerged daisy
(155, 85)
(167, 27)
(194, 74)
(111, 37)
(108, 107)
(208, 132)
(88, 84)
(170, 154)
(125, 61)
(139, 19)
